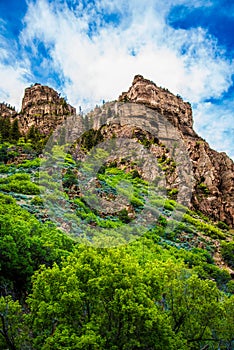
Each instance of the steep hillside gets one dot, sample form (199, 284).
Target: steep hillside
(213, 187)
(116, 228)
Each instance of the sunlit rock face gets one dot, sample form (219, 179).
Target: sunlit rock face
(178, 112)
(43, 107)
(213, 171)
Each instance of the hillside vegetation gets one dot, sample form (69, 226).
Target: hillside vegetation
(170, 288)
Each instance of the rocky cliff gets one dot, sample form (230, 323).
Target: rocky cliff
(212, 172)
(178, 112)
(7, 111)
(42, 107)
(213, 193)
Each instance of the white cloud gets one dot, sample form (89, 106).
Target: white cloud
(13, 71)
(100, 67)
(216, 125)
(12, 84)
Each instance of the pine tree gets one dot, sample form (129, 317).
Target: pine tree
(5, 128)
(15, 132)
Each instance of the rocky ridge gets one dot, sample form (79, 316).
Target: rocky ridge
(7, 111)
(213, 172)
(146, 92)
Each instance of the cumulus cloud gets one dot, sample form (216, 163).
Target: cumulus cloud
(99, 47)
(99, 65)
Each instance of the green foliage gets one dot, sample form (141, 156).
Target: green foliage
(107, 299)
(173, 193)
(207, 228)
(222, 225)
(36, 139)
(98, 299)
(29, 164)
(136, 202)
(159, 292)
(3, 153)
(9, 132)
(38, 201)
(5, 128)
(13, 332)
(69, 179)
(123, 216)
(204, 189)
(15, 132)
(90, 139)
(25, 244)
(19, 183)
(227, 250)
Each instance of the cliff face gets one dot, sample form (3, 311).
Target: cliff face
(43, 107)
(178, 112)
(7, 111)
(213, 192)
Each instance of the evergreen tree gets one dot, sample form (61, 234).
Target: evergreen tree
(15, 132)
(5, 128)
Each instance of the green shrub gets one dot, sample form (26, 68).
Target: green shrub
(123, 216)
(169, 206)
(136, 202)
(204, 188)
(173, 193)
(205, 227)
(38, 201)
(227, 251)
(19, 183)
(222, 225)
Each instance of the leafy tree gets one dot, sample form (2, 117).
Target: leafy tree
(13, 333)
(99, 301)
(25, 244)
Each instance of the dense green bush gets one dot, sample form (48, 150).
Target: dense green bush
(227, 250)
(19, 183)
(38, 201)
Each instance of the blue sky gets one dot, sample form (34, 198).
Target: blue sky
(91, 50)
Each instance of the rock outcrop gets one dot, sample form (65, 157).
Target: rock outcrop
(43, 108)
(213, 193)
(178, 112)
(6, 111)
